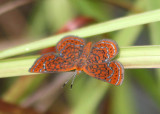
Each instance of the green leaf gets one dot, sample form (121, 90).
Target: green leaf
(117, 24)
(130, 57)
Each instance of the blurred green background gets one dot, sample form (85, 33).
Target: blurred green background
(23, 21)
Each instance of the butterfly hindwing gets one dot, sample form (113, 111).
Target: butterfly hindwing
(111, 72)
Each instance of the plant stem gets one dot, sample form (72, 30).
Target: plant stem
(117, 24)
(130, 57)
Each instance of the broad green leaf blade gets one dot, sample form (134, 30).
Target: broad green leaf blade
(117, 24)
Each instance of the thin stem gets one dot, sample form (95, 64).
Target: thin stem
(130, 57)
(109, 26)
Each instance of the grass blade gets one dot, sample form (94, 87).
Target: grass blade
(117, 24)
(130, 57)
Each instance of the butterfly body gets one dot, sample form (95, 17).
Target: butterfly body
(74, 54)
(84, 56)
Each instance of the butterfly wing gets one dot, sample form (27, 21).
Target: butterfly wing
(111, 72)
(70, 48)
(51, 63)
(103, 51)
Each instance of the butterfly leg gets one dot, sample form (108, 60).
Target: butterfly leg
(74, 76)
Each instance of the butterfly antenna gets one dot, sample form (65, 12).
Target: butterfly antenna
(65, 83)
(74, 76)
(69, 79)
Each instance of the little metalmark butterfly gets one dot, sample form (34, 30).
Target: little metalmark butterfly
(74, 54)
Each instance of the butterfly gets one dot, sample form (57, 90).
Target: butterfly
(74, 54)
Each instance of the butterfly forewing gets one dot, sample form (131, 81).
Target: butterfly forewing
(70, 48)
(51, 63)
(111, 72)
(103, 51)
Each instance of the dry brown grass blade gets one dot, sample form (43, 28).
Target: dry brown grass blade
(13, 5)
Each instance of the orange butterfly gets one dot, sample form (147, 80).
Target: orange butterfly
(74, 54)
